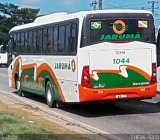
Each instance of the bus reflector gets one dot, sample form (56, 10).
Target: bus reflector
(154, 74)
(85, 81)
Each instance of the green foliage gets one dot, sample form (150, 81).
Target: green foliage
(11, 15)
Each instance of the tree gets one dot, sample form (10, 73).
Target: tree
(11, 15)
(24, 15)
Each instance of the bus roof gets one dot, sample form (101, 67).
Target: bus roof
(57, 17)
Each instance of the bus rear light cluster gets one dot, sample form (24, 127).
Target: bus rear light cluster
(154, 74)
(85, 81)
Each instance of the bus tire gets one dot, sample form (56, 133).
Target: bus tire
(18, 87)
(60, 104)
(49, 95)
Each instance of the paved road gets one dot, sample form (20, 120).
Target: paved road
(132, 117)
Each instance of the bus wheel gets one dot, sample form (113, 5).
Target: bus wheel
(60, 104)
(18, 87)
(49, 95)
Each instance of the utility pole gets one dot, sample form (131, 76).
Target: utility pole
(153, 5)
(100, 4)
(94, 4)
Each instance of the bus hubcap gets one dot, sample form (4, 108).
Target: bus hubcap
(49, 96)
(18, 85)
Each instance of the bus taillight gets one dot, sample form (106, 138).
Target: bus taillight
(85, 81)
(154, 74)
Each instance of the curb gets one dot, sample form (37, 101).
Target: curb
(51, 112)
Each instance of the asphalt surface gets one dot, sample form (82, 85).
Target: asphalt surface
(131, 117)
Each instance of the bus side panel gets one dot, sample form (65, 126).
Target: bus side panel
(69, 89)
(61, 71)
(66, 68)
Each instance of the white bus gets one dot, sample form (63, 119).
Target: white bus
(89, 56)
(3, 56)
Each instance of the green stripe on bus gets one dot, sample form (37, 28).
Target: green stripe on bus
(109, 80)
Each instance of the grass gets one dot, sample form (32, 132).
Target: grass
(16, 123)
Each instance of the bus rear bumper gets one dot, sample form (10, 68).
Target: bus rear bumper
(89, 95)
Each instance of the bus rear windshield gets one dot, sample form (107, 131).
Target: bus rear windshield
(122, 30)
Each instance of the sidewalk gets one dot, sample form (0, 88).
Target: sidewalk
(154, 100)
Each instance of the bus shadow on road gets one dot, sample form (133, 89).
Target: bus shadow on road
(119, 108)
(33, 97)
(106, 109)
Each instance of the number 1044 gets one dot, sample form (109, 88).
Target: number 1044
(121, 61)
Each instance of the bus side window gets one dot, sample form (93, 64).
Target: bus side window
(50, 41)
(22, 43)
(30, 42)
(14, 43)
(14, 48)
(39, 41)
(18, 42)
(44, 40)
(74, 37)
(68, 36)
(61, 39)
(55, 40)
(35, 41)
(26, 42)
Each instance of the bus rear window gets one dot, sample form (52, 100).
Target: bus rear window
(112, 30)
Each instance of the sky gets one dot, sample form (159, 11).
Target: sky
(70, 6)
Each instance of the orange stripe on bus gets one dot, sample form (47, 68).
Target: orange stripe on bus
(139, 71)
(29, 66)
(45, 67)
(14, 71)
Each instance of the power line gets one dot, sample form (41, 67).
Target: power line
(153, 6)
(120, 6)
(93, 4)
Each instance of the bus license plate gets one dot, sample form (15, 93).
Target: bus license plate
(121, 96)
